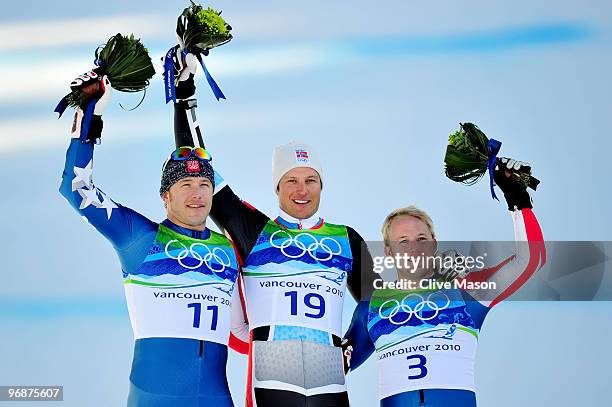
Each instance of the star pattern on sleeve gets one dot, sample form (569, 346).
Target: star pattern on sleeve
(83, 184)
(107, 204)
(82, 176)
(90, 197)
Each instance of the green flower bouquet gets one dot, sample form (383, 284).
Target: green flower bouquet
(470, 153)
(125, 61)
(200, 29)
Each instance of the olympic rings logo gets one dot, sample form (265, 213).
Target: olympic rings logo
(217, 254)
(309, 244)
(417, 310)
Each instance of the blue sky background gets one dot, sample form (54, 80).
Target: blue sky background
(377, 89)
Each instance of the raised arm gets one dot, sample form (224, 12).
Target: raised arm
(242, 221)
(120, 225)
(530, 255)
(186, 127)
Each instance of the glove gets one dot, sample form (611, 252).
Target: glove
(506, 177)
(185, 69)
(347, 351)
(88, 83)
(92, 86)
(452, 266)
(105, 98)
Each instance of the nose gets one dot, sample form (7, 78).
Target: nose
(196, 192)
(300, 188)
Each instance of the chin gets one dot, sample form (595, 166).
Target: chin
(199, 222)
(195, 221)
(305, 212)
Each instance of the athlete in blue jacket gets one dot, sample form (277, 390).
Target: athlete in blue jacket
(425, 338)
(179, 276)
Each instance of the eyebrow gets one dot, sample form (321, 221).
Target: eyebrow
(186, 180)
(307, 178)
(419, 235)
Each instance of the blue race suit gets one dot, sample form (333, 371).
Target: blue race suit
(179, 284)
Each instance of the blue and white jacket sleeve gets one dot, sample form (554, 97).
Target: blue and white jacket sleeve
(120, 225)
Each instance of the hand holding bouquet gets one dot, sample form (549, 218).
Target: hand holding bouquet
(198, 31)
(470, 153)
(126, 63)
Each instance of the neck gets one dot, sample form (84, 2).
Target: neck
(177, 222)
(294, 223)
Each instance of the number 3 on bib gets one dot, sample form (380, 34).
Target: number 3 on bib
(312, 301)
(420, 365)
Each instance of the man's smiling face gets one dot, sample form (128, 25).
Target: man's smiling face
(188, 202)
(299, 192)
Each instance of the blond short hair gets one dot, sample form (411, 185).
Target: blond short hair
(411, 210)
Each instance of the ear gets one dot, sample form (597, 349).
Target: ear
(388, 251)
(166, 197)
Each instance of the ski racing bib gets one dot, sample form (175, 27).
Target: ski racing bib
(424, 339)
(184, 288)
(298, 277)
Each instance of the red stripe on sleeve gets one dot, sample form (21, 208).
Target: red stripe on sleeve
(238, 345)
(248, 205)
(534, 233)
(249, 384)
(537, 249)
(242, 301)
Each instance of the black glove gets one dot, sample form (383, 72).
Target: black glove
(506, 177)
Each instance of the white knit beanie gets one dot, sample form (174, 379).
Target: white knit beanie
(293, 155)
